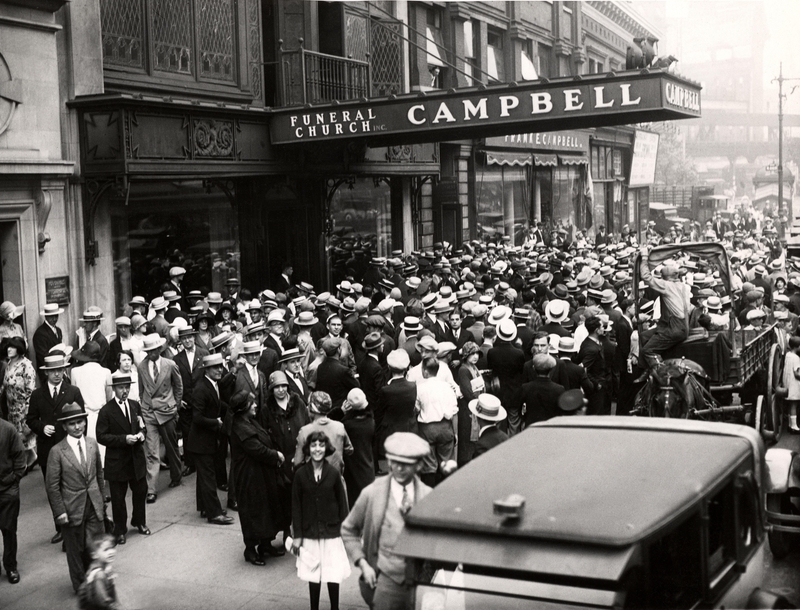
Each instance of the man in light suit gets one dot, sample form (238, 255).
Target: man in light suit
(120, 429)
(75, 490)
(161, 392)
(45, 408)
(385, 503)
(190, 365)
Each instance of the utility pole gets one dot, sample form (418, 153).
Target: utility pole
(781, 97)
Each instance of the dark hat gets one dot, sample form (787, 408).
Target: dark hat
(119, 378)
(188, 331)
(72, 411)
(90, 352)
(571, 400)
(372, 341)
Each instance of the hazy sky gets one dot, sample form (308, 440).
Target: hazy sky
(695, 30)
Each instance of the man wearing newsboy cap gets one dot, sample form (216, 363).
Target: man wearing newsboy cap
(374, 524)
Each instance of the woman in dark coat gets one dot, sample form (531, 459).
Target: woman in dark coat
(359, 466)
(255, 463)
(471, 382)
(282, 416)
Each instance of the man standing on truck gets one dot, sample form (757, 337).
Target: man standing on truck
(673, 326)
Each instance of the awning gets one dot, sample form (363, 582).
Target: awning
(508, 158)
(573, 160)
(540, 159)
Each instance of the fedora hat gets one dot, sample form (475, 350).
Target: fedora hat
(345, 287)
(276, 315)
(221, 340)
(153, 341)
(170, 296)
(51, 309)
(213, 298)
(507, 330)
(122, 321)
(137, 301)
(212, 360)
(72, 411)
(55, 361)
(442, 307)
(561, 291)
(411, 324)
(293, 353)
(609, 297)
(372, 341)
(251, 347)
(488, 407)
(571, 400)
(120, 378)
(348, 305)
(90, 352)
(556, 311)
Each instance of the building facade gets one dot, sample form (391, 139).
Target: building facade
(150, 124)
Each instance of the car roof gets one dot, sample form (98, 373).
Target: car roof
(597, 480)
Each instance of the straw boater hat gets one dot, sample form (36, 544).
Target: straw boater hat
(221, 340)
(120, 378)
(488, 407)
(158, 304)
(90, 315)
(566, 345)
(171, 296)
(153, 341)
(557, 311)
(251, 348)
(137, 301)
(55, 361)
(212, 360)
(51, 309)
(507, 330)
(306, 318)
(186, 331)
(411, 324)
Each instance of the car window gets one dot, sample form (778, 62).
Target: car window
(721, 534)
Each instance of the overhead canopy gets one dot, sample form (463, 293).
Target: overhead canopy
(596, 100)
(573, 160)
(501, 157)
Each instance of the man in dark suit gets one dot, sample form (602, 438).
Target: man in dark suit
(45, 408)
(174, 307)
(623, 329)
(120, 428)
(334, 377)
(540, 396)
(90, 331)
(370, 373)
(189, 361)
(396, 401)
(291, 364)
(719, 226)
(75, 490)
(276, 329)
(284, 281)
(12, 469)
(507, 362)
(203, 438)
(566, 373)
(161, 391)
(489, 412)
(458, 335)
(593, 360)
(47, 335)
(524, 334)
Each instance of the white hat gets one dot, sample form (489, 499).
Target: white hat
(556, 311)
(176, 271)
(507, 330)
(153, 341)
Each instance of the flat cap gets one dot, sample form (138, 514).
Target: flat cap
(406, 447)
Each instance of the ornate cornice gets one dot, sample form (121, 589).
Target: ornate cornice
(621, 17)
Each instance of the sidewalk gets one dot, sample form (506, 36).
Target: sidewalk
(185, 562)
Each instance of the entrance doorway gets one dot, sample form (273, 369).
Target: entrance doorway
(10, 264)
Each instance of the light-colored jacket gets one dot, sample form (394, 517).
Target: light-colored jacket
(160, 397)
(361, 530)
(69, 486)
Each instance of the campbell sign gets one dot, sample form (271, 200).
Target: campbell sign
(591, 101)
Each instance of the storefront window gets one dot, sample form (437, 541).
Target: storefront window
(362, 217)
(566, 196)
(173, 224)
(503, 202)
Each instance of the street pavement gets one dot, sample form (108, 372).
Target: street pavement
(185, 563)
(188, 563)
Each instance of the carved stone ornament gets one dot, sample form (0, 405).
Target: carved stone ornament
(403, 152)
(213, 138)
(44, 202)
(10, 95)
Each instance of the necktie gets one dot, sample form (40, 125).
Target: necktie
(190, 359)
(155, 371)
(124, 406)
(83, 459)
(405, 503)
(55, 392)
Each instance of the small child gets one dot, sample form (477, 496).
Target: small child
(98, 592)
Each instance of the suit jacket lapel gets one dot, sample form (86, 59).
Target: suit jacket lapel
(67, 449)
(119, 414)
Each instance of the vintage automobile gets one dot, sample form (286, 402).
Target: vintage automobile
(598, 512)
(783, 500)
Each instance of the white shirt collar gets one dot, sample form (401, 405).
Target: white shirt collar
(397, 491)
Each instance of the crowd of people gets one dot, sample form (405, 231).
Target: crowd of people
(425, 359)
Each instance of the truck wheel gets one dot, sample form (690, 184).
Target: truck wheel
(779, 542)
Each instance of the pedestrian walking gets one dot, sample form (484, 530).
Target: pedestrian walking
(12, 469)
